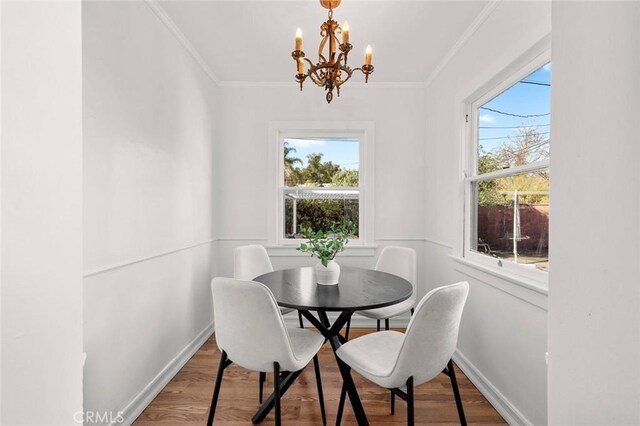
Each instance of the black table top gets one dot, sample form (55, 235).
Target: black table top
(358, 289)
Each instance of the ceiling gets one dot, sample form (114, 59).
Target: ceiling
(251, 41)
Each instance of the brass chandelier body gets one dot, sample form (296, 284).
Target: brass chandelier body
(330, 71)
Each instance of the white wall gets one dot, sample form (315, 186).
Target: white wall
(149, 131)
(41, 375)
(0, 209)
(244, 162)
(503, 335)
(594, 297)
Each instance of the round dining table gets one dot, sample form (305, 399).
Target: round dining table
(358, 289)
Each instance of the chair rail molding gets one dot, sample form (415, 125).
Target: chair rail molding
(140, 259)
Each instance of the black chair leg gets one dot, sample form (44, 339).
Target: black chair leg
(216, 388)
(378, 325)
(386, 324)
(300, 319)
(346, 334)
(412, 311)
(263, 378)
(276, 391)
(343, 397)
(456, 393)
(410, 410)
(316, 367)
(393, 403)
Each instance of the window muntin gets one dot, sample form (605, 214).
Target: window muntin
(320, 183)
(508, 187)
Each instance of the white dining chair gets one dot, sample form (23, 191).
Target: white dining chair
(399, 362)
(251, 333)
(252, 261)
(249, 262)
(400, 261)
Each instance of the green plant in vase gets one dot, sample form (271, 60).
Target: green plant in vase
(325, 245)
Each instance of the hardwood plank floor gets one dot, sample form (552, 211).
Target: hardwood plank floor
(186, 399)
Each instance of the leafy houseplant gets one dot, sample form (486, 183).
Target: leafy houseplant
(325, 246)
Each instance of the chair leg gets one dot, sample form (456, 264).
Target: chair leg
(410, 410)
(378, 325)
(276, 391)
(393, 402)
(316, 367)
(456, 393)
(386, 324)
(346, 334)
(412, 311)
(300, 319)
(263, 378)
(343, 397)
(216, 388)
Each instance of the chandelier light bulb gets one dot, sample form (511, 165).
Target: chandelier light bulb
(298, 39)
(367, 55)
(345, 32)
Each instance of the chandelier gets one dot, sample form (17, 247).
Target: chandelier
(331, 71)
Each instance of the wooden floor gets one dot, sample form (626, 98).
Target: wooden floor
(186, 399)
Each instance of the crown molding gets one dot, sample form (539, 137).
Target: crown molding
(184, 41)
(471, 29)
(294, 85)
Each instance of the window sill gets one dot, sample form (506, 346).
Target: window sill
(290, 251)
(529, 290)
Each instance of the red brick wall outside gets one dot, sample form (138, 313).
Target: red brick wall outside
(495, 226)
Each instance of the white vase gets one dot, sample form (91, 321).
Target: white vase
(328, 275)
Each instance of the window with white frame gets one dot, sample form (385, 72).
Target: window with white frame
(507, 184)
(322, 180)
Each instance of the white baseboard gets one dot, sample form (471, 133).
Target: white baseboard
(144, 398)
(357, 321)
(502, 405)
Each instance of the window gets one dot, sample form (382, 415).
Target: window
(323, 172)
(507, 188)
(321, 185)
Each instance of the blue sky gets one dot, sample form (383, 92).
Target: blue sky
(342, 151)
(520, 99)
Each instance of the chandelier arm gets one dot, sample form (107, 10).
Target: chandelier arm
(321, 48)
(312, 74)
(314, 77)
(366, 70)
(349, 73)
(324, 33)
(317, 80)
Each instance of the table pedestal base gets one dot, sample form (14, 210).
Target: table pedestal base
(332, 334)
